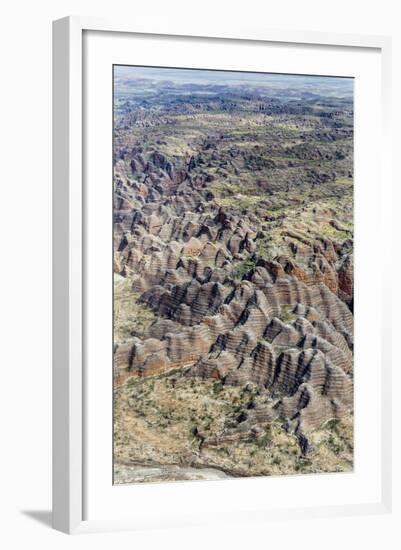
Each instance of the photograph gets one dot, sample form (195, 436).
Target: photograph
(233, 226)
(201, 233)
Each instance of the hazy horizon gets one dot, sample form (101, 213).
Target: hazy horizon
(207, 77)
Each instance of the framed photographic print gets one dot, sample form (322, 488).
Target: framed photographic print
(220, 325)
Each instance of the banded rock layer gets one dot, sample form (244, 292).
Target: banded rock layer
(227, 306)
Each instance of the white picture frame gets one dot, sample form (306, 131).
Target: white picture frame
(69, 258)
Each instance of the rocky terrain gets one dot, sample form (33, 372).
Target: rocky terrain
(233, 262)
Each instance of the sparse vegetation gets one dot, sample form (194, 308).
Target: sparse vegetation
(233, 244)
(130, 316)
(153, 425)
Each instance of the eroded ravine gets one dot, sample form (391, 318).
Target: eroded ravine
(233, 251)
